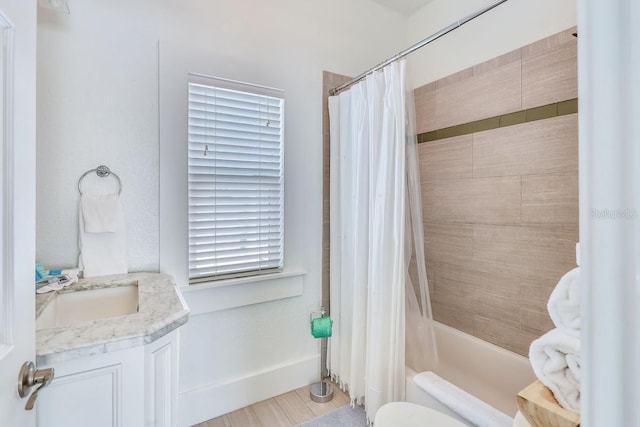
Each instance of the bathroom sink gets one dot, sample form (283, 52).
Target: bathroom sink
(67, 308)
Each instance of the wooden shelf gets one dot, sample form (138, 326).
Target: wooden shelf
(540, 408)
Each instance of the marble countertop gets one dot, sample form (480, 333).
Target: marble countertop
(161, 309)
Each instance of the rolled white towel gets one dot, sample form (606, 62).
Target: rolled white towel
(463, 404)
(564, 302)
(555, 358)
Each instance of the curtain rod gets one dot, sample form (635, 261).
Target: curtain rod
(422, 43)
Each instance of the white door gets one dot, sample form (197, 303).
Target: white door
(17, 203)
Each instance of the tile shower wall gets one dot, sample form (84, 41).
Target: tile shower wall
(500, 205)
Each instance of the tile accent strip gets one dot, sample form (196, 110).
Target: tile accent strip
(529, 115)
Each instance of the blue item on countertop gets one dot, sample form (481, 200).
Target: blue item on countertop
(41, 273)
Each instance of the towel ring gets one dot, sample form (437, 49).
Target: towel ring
(102, 171)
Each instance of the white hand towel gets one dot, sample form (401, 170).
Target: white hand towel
(106, 252)
(100, 213)
(466, 405)
(564, 302)
(555, 358)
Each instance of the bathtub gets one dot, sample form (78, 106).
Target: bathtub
(490, 373)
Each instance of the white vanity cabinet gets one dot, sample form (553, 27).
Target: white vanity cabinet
(133, 387)
(105, 390)
(109, 375)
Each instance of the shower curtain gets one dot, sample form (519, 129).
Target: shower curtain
(372, 237)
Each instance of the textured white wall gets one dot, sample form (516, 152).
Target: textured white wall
(509, 26)
(98, 104)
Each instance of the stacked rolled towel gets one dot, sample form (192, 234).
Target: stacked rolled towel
(564, 302)
(555, 356)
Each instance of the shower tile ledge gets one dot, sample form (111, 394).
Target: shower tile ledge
(161, 309)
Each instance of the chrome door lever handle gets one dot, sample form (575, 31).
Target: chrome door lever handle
(30, 377)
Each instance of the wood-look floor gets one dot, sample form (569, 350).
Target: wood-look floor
(286, 410)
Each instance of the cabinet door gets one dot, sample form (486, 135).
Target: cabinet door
(105, 390)
(161, 383)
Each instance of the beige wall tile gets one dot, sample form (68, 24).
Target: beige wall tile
(535, 321)
(448, 158)
(478, 97)
(453, 292)
(506, 336)
(424, 88)
(550, 76)
(550, 199)
(495, 268)
(331, 80)
(492, 64)
(453, 316)
(500, 206)
(518, 208)
(428, 200)
(451, 201)
(549, 43)
(445, 243)
(478, 200)
(496, 200)
(498, 308)
(425, 101)
(494, 281)
(457, 77)
(431, 277)
(463, 286)
(543, 146)
(540, 254)
(534, 289)
(547, 254)
(499, 245)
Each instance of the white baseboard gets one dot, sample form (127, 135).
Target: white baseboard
(204, 403)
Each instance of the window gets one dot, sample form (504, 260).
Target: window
(235, 181)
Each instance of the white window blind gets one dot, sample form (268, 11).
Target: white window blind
(235, 182)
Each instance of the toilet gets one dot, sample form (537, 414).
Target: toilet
(404, 414)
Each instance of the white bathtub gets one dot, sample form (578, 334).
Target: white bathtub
(490, 373)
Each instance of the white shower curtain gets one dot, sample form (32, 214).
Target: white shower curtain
(368, 224)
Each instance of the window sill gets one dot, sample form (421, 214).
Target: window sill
(207, 297)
